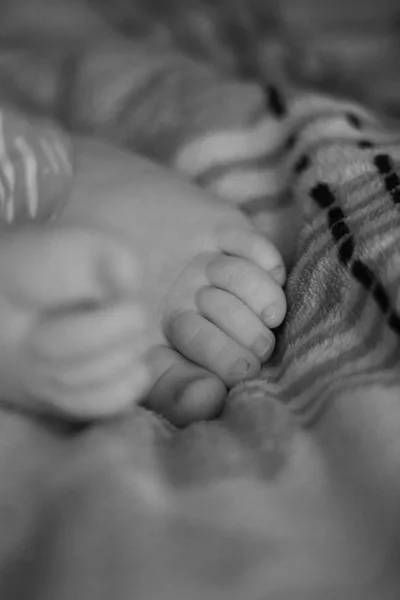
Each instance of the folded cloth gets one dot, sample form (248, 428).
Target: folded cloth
(35, 168)
(252, 505)
(293, 492)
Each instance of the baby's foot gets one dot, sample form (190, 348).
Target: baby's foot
(218, 314)
(71, 330)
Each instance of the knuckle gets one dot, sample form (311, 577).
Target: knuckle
(181, 330)
(240, 275)
(212, 300)
(224, 354)
(255, 287)
(195, 336)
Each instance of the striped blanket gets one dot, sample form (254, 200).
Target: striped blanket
(342, 331)
(294, 492)
(253, 505)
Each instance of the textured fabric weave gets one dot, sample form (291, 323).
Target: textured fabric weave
(253, 505)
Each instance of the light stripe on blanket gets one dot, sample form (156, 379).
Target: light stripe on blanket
(343, 326)
(35, 169)
(335, 159)
(218, 132)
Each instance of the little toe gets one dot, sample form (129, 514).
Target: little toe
(183, 392)
(206, 345)
(253, 286)
(234, 318)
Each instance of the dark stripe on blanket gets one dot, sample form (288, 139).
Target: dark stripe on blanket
(384, 164)
(275, 102)
(354, 120)
(325, 199)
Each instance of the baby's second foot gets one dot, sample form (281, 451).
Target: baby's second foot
(72, 333)
(218, 314)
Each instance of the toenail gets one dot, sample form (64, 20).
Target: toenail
(242, 367)
(278, 274)
(262, 346)
(270, 314)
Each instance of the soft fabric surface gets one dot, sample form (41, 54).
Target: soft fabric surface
(250, 506)
(294, 491)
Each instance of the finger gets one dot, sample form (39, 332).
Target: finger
(235, 319)
(98, 370)
(100, 400)
(66, 267)
(84, 333)
(251, 285)
(183, 392)
(255, 248)
(207, 346)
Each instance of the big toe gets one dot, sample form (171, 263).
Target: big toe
(183, 392)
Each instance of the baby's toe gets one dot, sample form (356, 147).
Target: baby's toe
(206, 345)
(235, 319)
(253, 286)
(183, 392)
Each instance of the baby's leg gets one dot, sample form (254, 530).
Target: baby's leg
(70, 328)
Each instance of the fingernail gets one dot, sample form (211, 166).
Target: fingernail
(241, 368)
(279, 274)
(270, 315)
(262, 346)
